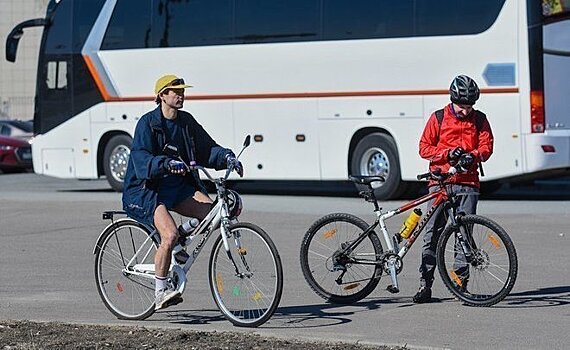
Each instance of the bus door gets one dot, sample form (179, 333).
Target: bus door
(556, 42)
(54, 94)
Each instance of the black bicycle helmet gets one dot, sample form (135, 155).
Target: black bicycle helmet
(235, 203)
(464, 90)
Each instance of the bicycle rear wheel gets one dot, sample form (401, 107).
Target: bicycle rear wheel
(322, 263)
(492, 273)
(249, 292)
(124, 269)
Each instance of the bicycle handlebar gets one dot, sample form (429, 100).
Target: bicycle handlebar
(437, 174)
(201, 168)
(231, 165)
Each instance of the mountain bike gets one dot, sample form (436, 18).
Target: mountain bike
(342, 258)
(245, 271)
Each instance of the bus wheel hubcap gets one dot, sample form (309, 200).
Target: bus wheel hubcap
(375, 162)
(118, 162)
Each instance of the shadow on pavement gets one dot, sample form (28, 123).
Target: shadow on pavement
(302, 316)
(542, 297)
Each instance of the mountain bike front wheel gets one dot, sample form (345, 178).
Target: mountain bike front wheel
(124, 269)
(491, 273)
(248, 292)
(337, 276)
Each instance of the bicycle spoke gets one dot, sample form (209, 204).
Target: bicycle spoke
(251, 299)
(323, 263)
(490, 274)
(128, 296)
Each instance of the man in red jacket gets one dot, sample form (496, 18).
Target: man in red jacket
(460, 136)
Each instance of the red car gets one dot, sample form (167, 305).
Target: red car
(15, 155)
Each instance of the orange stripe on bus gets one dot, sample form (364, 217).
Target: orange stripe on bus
(320, 94)
(98, 81)
(107, 97)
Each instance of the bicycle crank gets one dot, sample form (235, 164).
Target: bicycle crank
(392, 264)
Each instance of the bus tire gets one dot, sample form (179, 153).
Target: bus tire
(376, 154)
(115, 160)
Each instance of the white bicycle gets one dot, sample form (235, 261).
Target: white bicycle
(245, 271)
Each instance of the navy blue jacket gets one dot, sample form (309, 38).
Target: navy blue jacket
(147, 163)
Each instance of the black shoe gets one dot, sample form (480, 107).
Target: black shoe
(422, 296)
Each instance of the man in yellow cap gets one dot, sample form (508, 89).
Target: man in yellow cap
(157, 179)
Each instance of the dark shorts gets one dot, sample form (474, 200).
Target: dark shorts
(172, 196)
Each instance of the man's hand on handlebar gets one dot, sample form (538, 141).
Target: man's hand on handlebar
(232, 160)
(176, 167)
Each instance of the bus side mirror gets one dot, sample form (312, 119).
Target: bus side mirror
(12, 44)
(247, 141)
(14, 37)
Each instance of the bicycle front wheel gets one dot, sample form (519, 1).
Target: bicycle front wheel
(124, 269)
(491, 273)
(336, 276)
(247, 281)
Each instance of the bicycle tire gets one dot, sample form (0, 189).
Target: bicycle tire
(328, 227)
(127, 296)
(249, 299)
(491, 275)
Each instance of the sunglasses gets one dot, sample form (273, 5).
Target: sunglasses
(175, 82)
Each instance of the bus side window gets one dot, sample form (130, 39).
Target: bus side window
(56, 75)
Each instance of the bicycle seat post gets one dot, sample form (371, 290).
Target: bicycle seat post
(374, 200)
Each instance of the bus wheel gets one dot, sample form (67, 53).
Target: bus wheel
(115, 160)
(376, 155)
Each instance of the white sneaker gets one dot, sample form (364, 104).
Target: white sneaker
(166, 297)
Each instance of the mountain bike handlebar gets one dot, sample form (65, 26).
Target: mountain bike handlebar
(438, 175)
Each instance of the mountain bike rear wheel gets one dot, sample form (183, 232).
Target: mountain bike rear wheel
(125, 288)
(248, 292)
(492, 272)
(322, 265)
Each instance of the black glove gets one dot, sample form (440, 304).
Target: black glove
(175, 167)
(465, 162)
(232, 160)
(454, 154)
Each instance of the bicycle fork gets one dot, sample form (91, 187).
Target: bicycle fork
(462, 237)
(240, 250)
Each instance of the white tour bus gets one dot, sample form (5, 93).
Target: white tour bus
(328, 88)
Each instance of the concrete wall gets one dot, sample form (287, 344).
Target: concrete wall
(18, 80)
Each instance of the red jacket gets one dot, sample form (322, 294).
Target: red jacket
(436, 142)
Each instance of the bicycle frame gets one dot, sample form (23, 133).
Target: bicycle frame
(218, 216)
(443, 196)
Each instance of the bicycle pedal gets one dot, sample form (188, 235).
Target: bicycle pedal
(392, 289)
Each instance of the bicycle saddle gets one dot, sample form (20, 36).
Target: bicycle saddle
(366, 180)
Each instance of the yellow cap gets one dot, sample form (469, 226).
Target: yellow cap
(169, 81)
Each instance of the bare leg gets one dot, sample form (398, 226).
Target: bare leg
(168, 236)
(196, 206)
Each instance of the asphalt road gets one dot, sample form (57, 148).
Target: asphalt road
(48, 228)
